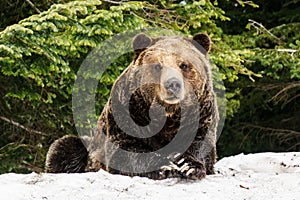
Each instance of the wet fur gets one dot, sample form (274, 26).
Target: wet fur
(201, 155)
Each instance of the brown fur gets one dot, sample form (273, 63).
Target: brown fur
(156, 61)
(67, 155)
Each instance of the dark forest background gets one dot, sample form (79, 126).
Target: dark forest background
(43, 42)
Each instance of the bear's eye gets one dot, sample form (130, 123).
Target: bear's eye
(183, 66)
(157, 67)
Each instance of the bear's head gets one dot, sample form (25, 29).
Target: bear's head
(171, 67)
(169, 77)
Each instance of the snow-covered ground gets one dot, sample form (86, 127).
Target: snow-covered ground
(254, 176)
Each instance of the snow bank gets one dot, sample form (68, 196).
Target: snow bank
(253, 176)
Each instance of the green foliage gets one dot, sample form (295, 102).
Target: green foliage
(41, 47)
(268, 117)
(39, 58)
(13, 11)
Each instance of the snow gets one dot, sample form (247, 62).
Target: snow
(254, 176)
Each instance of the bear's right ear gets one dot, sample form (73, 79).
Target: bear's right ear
(141, 42)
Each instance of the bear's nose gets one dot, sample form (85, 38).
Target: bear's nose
(173, 86)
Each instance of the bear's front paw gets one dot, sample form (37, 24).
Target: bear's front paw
(183, 169)
(195, 173)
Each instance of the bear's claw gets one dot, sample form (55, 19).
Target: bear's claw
(183, 169)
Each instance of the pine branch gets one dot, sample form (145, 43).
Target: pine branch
(286, 132)
(291, 51)
(284, 135)
(260, 28)
(113, 2)
(33, 6)
(22, 127)
(286, 88)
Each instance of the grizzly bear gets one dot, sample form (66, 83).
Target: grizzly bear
(160, 120)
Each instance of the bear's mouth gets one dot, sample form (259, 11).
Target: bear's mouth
(172, 99)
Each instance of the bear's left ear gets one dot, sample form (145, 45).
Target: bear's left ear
(202, 42)
(141, 42)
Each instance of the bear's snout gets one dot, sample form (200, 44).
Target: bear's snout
(173, 86)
